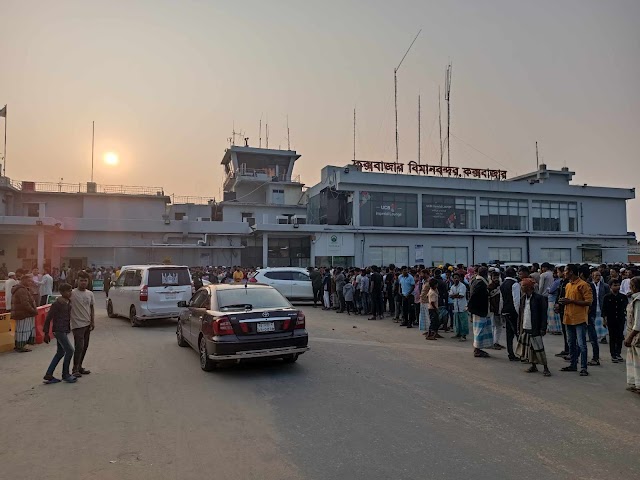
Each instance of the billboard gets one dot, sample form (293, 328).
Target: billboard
(441, 212)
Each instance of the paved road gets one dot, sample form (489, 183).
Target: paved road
(369, 401)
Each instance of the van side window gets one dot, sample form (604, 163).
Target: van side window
(130, 279)
(121, 278)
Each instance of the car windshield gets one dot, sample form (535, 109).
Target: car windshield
(239, 298)
(162, 277)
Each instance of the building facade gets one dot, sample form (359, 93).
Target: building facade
(353, 216)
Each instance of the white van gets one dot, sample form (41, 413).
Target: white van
(145, 292)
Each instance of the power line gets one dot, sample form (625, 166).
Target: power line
(480, 152)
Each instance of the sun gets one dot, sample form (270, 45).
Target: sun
(111, 158)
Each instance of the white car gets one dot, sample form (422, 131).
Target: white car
(292, 282)
(145, 292)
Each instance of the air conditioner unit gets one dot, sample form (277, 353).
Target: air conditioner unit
(250, 220)
(299, 219)
(282, 220)
(203, 219)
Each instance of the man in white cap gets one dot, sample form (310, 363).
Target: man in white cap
(8, 285)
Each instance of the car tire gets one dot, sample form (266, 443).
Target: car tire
(293, 358)
(110, 313)
(132, 317)
(181, 341)
(206, 363)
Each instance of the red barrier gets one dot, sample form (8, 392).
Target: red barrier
(40, 319)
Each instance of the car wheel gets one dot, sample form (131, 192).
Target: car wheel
(132, 317)
(290, 358)
(205, 362)
(110, 313)
(181, 341)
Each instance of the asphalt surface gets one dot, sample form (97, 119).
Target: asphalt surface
(369, 401)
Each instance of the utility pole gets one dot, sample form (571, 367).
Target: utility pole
(447, 97)
(260, 134)
(537, 159)
(93, 137)
(395, 88)
(419, 130)
(288, 138)
(354, 134)
(440, 122)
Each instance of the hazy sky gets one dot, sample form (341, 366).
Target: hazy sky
(166, 80)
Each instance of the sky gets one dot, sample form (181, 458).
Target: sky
(166, 83)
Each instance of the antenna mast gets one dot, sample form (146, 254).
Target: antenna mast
(266, 132)
(440, 121)
(447, 97)
(419, 130)
(354, 134)
(537, 159)
(93, 137)
(395, 87)
(288, 138)
(260, 134)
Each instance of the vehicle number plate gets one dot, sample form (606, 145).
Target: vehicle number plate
(171, 296)
(266, 327)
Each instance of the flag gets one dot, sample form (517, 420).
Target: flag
(3, 112)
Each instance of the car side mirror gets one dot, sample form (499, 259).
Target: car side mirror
(182, 304)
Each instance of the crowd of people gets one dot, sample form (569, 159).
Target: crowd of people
(589, 306)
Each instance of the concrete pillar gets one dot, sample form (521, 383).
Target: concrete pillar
(355, 214)
(265, 250)
(41, 249)
(419, 210)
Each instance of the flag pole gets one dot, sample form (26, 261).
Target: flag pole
(4, 167)
(93, 136)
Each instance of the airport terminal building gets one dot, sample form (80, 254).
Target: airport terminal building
(361, 214)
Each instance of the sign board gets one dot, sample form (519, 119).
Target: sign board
(441, 212)
(419, 254)
(98, 285)
(334, 244)
(52, 298)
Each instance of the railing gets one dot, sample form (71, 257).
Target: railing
(175, 199)
(269, 173)
(60, 187)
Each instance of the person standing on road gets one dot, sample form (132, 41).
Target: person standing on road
(433, 313)
(316, 285)
(340, 281)
(577, 300)
(326, 287)
(82, 322)
(60, 315)
(407, 283)
(8, 286)
(533, 325)
(478, 306)
(614, 308)
(458, 294)
(376, 285)
(509, 311)
(600, 288)
(24, 311)
(632, 340)
(46, 286)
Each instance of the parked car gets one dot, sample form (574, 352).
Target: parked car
(145, 292)
(292, 282)
(231, 322)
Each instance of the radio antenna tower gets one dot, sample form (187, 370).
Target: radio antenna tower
(447, 97)
(395, 87)
(260, 134)
(354, 134)
(440, 121)
(419, 145)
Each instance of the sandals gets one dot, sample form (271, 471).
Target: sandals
(532, 369)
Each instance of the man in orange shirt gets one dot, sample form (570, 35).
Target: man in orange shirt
(577, 300)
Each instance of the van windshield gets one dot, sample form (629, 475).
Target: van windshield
(162, 277)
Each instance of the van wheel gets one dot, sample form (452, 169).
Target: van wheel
(110, 313)
(205, 362)
(181, 341)
(132, 317)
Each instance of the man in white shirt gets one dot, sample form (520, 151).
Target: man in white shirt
(546, 280)
(458, 293)
(625, 286)
(82, 322)
(8, 285)
(46, 286)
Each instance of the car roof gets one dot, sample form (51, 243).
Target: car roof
(236, 286)
(153, 266)
(271, 269)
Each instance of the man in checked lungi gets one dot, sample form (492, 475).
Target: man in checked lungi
(533, 325)
(23, 311)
